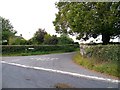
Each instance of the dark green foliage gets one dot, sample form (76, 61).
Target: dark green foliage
(38, 37)
(17, 40)
(41, 48)
(50, 40)
(7, 30)
(111, 68)
(104, 53)
(88, 19)
(65, 39)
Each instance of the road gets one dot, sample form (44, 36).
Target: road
(45, 71)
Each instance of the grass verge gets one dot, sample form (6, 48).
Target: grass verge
(109, 68)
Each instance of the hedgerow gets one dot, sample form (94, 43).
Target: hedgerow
(104, 53)
(101, 58)
(6, 49)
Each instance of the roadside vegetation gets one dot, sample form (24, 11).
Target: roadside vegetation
(104, 59)
(84, 21)
(89, 19)
(24, 50)
(32, 53)
(40, 37)
(40, 43)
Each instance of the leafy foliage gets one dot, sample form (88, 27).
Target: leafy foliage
(7, 30)
(42, 37)
(38, 37)
(43, 48)
(17, 40)
(111, 68)
(88, 19)
(65, 39)
(106, 53)
(50, 40)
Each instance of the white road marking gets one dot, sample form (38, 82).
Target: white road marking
(64, 72)
(44, 59)
(31, 58)
(14, 60)
(109, 87)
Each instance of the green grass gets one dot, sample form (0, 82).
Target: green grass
(103, 67)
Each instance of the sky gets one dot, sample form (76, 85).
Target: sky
(27, 16)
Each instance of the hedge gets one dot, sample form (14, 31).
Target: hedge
(106, 53)
(6, 49)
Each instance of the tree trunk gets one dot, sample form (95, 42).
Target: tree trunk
(105, 39)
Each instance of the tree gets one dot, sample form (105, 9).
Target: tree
(17, 40)
(39, 36)
(65, 39)
(7, 30)
(30, 42)
(47, 39)
(54, 40)
(88, 19)
(50, 40)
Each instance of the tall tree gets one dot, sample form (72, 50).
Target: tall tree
(7, 30)
(50, 40)
(89, 19)
(39, 36)
(65, 39)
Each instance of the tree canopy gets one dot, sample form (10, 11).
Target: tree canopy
(50, 40)
(88, 19)
(7, 30)
(39, 35)
(65, 39)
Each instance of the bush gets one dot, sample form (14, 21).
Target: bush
(50, 40)
(104, 53)
(111, 68)
(8, 49)
(17, 41)
(65, 39)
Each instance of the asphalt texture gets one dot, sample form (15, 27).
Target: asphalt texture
(20, 77)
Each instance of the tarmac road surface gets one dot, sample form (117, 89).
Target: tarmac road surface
(45, 71)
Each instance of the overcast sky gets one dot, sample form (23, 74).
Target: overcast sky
(27, 16)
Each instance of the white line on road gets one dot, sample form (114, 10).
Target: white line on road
(64, 72)
(15, 60)
(44, 59)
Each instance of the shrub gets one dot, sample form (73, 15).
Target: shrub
(6, 49)
(65, 39)
(111, 68)
(104, 53)
(50, 40)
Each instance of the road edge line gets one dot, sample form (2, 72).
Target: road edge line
(64, 72)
